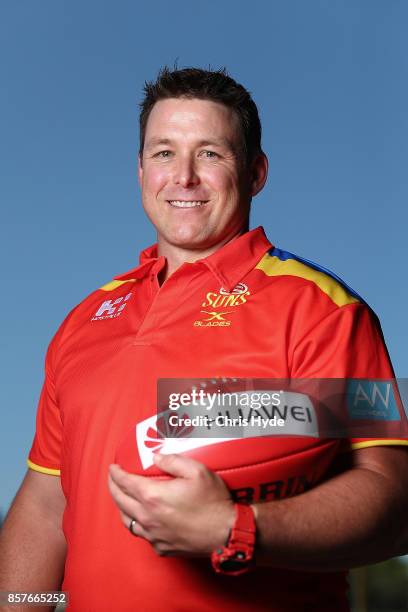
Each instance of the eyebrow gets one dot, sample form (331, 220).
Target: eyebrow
(214, 142)
(154, 142)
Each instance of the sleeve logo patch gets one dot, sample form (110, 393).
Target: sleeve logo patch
(111, 309)
(373, 400)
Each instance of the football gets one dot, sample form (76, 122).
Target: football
(254, 469)
(235, 443)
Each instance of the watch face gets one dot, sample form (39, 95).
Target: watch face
(237, 562)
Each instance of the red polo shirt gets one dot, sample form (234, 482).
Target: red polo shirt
(292, 319)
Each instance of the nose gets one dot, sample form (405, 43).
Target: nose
(185, 173)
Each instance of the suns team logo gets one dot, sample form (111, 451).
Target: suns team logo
(217, 306)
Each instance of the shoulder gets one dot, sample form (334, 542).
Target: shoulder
(102, 302)
(302, 276)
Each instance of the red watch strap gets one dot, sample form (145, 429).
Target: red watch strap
(244, 527)
(236, 557)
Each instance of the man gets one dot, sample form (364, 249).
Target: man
(145, 544)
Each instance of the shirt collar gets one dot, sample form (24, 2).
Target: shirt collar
(232, 262)
(229, 264)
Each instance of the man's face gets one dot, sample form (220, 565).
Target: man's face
(195, 188)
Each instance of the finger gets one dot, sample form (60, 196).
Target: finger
(125, 502)
(137, 529)
(132, 484)
(179, 465)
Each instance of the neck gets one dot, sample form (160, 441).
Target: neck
(176, 256)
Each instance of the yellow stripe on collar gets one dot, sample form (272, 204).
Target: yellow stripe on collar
(114, 284)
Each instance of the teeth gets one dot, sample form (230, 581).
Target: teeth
(183, 204)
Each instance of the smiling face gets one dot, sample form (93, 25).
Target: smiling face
(196, 189)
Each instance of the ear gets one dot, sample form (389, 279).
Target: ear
(259, 173)
(139, 169)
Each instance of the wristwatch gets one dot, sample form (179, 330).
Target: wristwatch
(237, 556)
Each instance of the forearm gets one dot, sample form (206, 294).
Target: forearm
(333, 526)
(32, 553)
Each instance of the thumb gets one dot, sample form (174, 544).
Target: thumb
(177, 465)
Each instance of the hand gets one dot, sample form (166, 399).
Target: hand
(190, 514)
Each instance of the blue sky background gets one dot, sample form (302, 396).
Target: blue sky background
(331, 82)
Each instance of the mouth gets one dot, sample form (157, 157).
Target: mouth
(187, 203)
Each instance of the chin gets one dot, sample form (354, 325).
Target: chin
(188, 237)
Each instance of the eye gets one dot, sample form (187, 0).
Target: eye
(209, 154)
(162, 154)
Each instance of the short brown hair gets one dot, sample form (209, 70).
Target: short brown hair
(215, 85)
